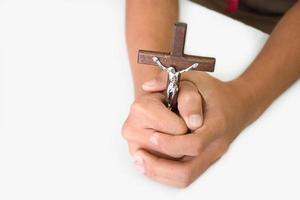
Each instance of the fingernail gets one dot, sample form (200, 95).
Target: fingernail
(154, 139)
(195, 121)
(139, 163)
(138, 160)
(149, 84)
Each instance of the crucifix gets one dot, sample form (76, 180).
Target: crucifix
(175, 63)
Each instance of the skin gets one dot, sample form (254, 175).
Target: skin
(177, 149)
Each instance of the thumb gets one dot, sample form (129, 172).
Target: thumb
(190, 105)
(157, 84)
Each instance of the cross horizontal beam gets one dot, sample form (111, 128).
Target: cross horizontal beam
(205, 63)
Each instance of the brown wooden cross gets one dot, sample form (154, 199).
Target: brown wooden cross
(176, 58)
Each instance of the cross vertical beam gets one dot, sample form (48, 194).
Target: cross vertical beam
(178, 40)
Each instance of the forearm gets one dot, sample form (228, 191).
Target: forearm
(276, 67)
(149, 25)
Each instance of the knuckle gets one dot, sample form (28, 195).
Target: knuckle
(136, 106)
(191, 96)
(127, 130)
(144, 103)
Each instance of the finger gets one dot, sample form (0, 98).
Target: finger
(190, 105)
(178, 173)
(192, 144)
(182, 145)
(149, 141)
(174, 146)
(133, 147)
(150, 112)
(157, 84)
(162, 170)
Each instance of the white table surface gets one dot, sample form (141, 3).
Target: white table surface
(65, 91)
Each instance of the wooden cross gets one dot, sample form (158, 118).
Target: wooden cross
(176, 58)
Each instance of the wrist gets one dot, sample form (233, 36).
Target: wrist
(249, 99)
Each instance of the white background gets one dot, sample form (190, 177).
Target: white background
(65, 91)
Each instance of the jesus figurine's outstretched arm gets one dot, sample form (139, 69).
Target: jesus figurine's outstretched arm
(193, 66)
(156, 60)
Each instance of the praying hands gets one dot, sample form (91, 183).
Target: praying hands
(177, 148)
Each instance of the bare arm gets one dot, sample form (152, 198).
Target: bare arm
(162, 67)
(229, 106)
(149, 25)
(277, 66)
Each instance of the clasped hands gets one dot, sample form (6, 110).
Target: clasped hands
(175, 149)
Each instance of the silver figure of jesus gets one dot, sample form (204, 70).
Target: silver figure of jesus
(173, 77)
